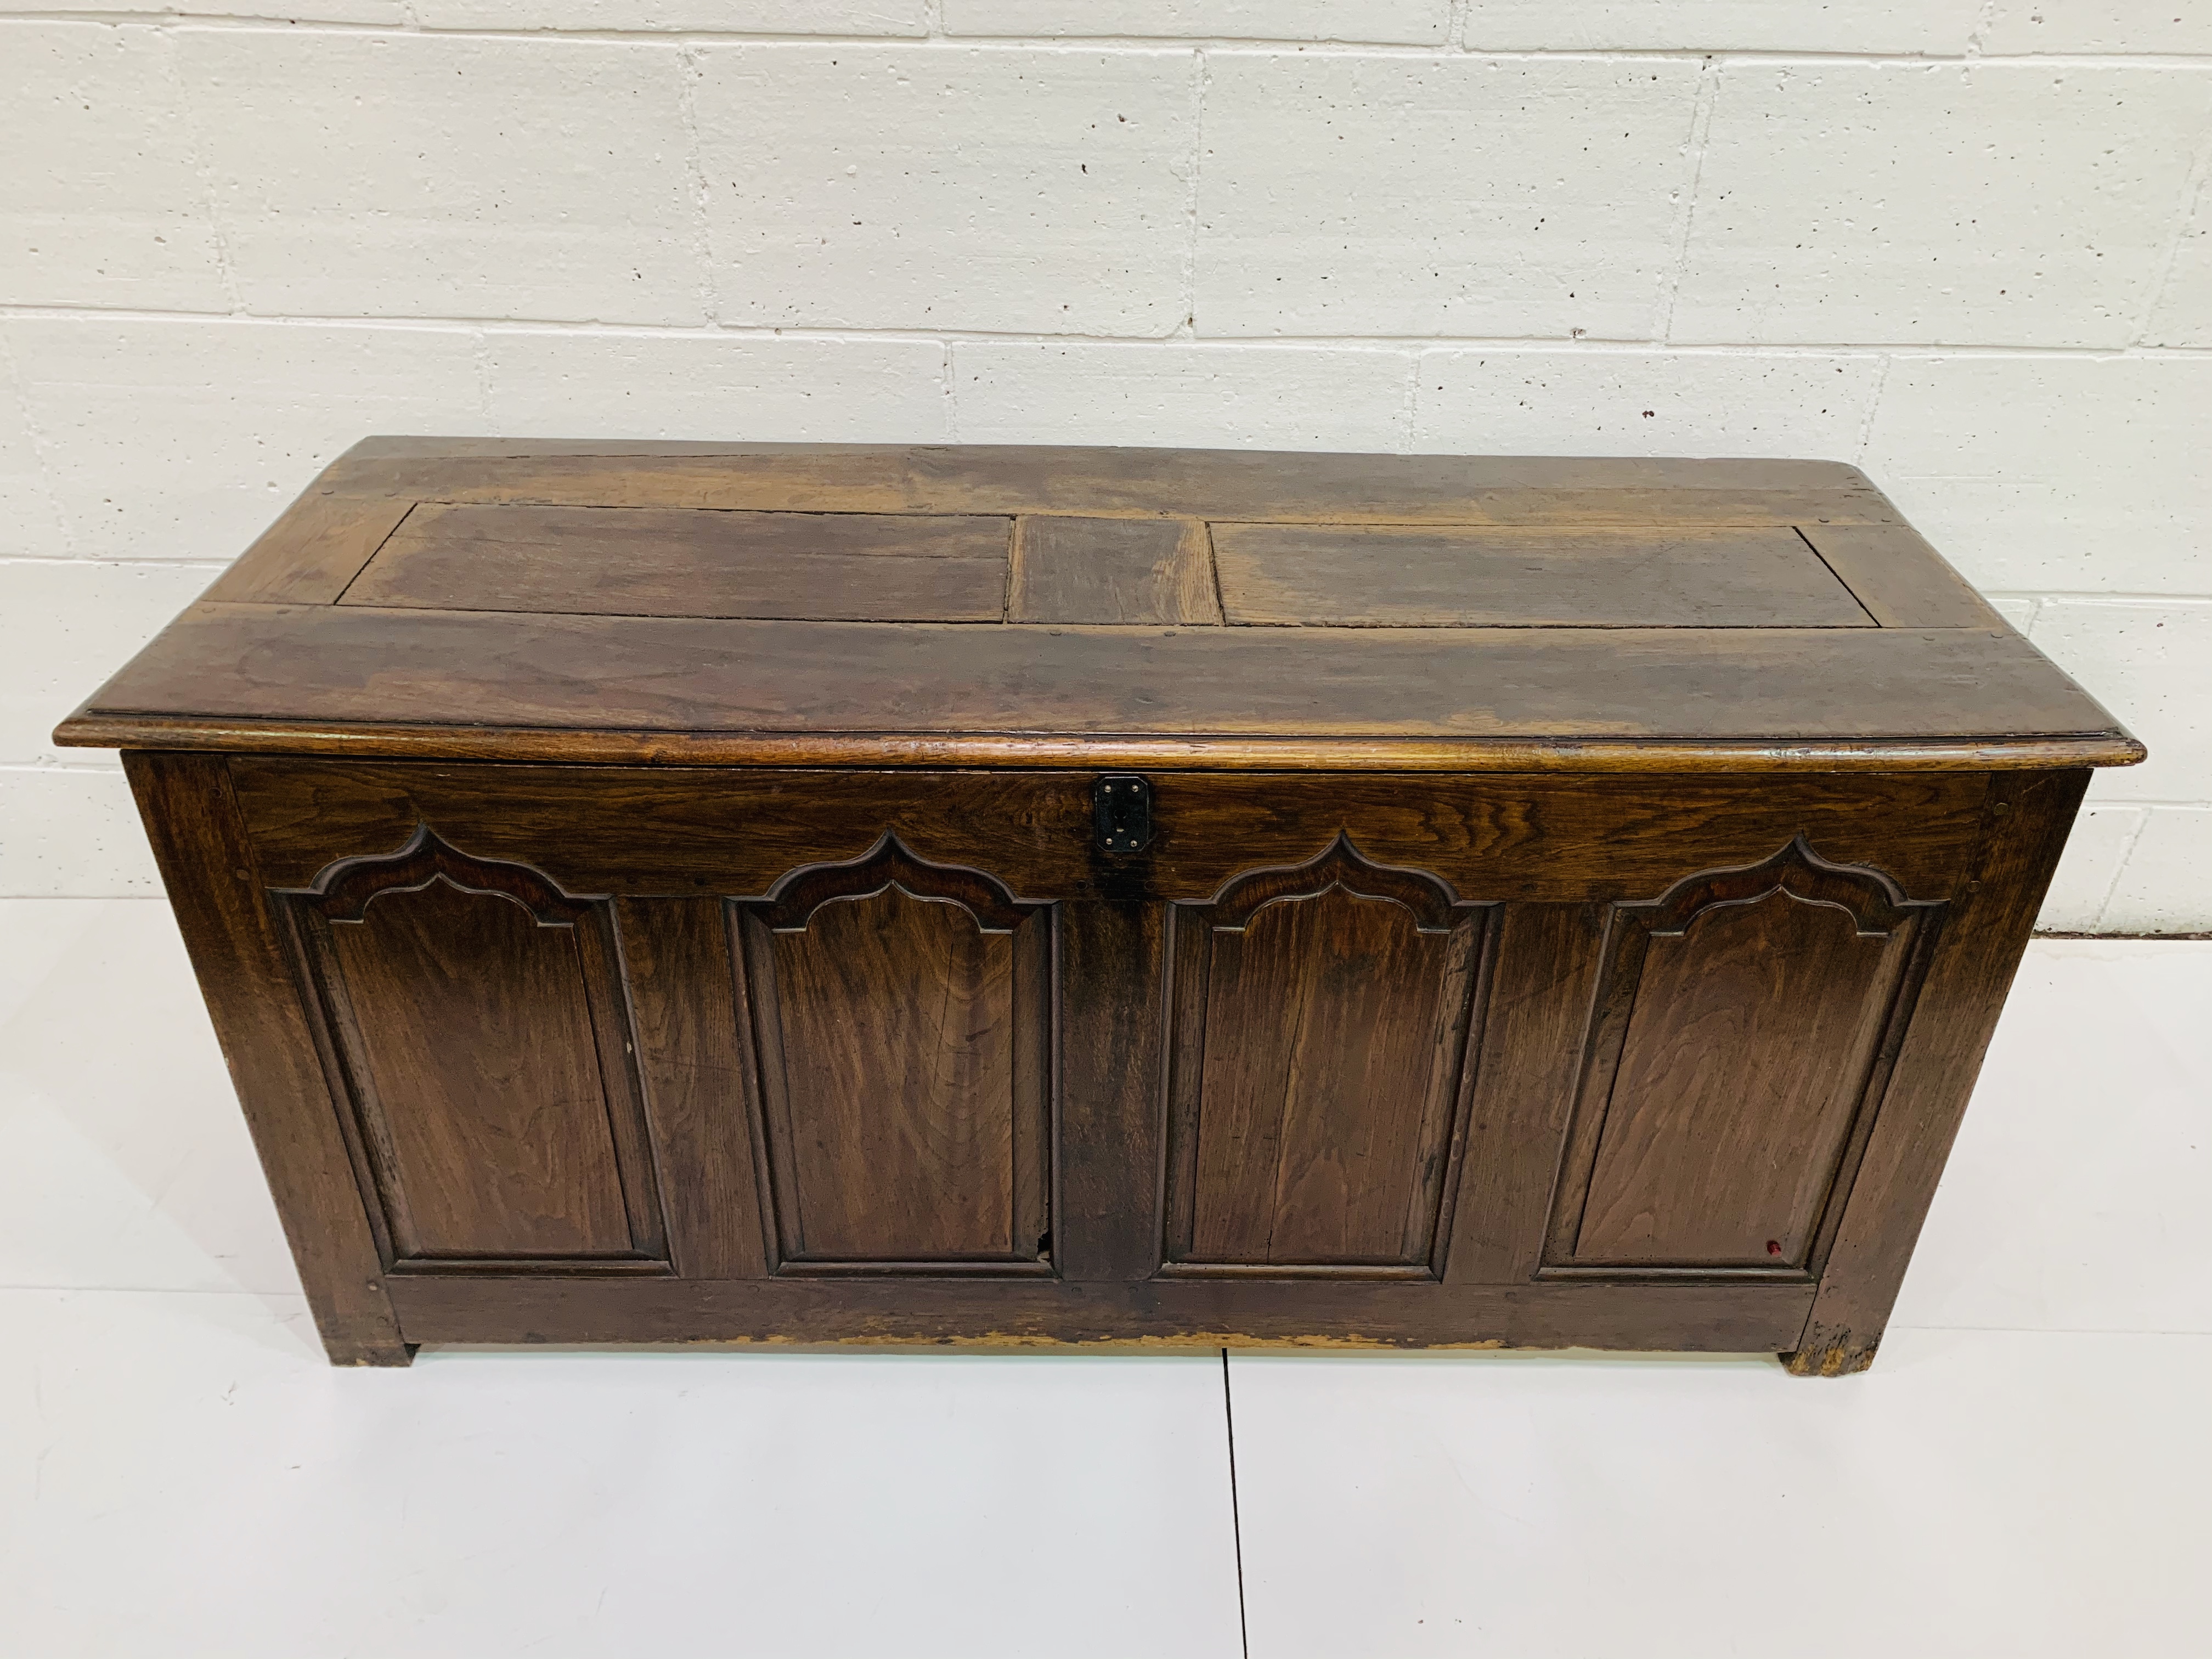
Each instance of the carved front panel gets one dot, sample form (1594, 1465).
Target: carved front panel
(1321, 1017)
(473, 1028)
(1744, 1026)
(902, 1014)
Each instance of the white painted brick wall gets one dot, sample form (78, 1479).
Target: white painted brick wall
(1966, 244)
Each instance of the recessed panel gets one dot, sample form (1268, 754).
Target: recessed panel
(1454, 576)
(1316, 1073)
(469, 1036)
(1743, 1064)
(685, 562)
(1737, 1052)
(904, 1045)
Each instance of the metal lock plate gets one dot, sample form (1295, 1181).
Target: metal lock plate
(1122, 812)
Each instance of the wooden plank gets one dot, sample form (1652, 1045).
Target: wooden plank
(310, 554)
(1162, 755)
(1253, 485)
(646, 562)
(1752, 1035)
(1984, 935)
(340, 666)
(1527, 1062)
(208, 867)
(1211, 1312)
(1112, 570)
(640, 832)
(1398, 576)
(1901, 581)
(1107, 1222)
(696, 1071)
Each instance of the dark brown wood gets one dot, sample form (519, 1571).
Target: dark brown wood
(1368, 691)
(1901, 581)
(308, 556)
(1112, 983)
(1983, 937)
(1406, 577)
(1714, 1318)
(904, 1017)
(1321, 1020)
(683, 561)
(1525, 1073)
(1221, 484)
(1738, 1043)
(207, 865)
(681, 830)
(697, 1073)
(472, 1017)
(1112, 570)
(652, 892)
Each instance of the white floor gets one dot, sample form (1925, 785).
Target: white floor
(2028, 1471)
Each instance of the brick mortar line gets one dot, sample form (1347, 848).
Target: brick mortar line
(1964, 56)
(860, 334)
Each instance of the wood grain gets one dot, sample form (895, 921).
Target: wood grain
(906, 1077)
(471, 1038)
(1743, 1063)
(208, 867)
(1526, 1063)
(1112, 570)
(1112, 981)
(1901, 581)
(1228, 484)
(319, 545)
(1983, 938)
(1191, 1312)
(1398, 576)
(649, 892)
(986, 690)
(1317, 1074)
(646, 562)
(671, 832)
(700, 1091)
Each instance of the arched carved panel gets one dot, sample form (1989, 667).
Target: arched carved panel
(1745, 1024)
(903, 1015)
(1319, 1023)
(473, 1024)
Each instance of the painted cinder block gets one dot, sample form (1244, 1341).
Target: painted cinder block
(2181, 315)
(182, 438)
(72, 834)
(2164, 887)
(1341, 194)
(890, 17)
(1377, 23)
(30, 525)
(425, 175)
(2097, 26)
(1225, 397)
(1970, 204)
(2094, 853)
(989, 188)
(297, 11)
(1534, 401)
(2042, 473)
(67, 624)
(756, 387)
(1932, 26)
(100, 199)
(2150, 662)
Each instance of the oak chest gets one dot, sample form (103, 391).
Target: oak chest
(669, 892)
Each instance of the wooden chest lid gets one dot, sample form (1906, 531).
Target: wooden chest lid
(853, 606)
